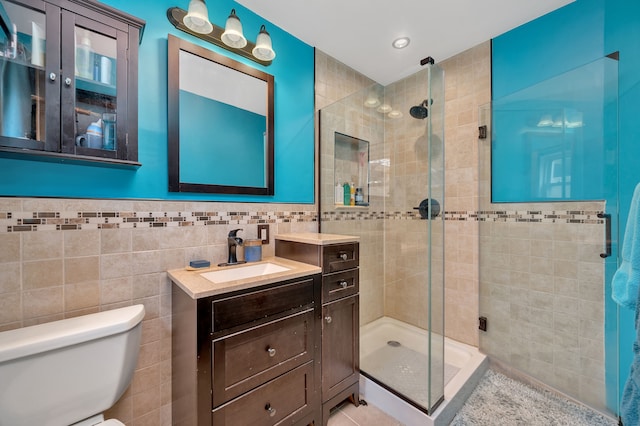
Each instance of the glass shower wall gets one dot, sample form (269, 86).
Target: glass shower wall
(544, 271)
(356, 116)
(406, 186)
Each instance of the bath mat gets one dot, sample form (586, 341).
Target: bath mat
(501, 401)
(404, 370)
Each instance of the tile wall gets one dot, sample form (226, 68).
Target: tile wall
(61, 258)
(339, 94)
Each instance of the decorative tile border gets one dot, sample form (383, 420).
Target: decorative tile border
(64, 221)
(554, 216)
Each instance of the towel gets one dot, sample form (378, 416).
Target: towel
(630, 402)
(626, 280)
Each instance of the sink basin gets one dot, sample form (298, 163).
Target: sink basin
(243, 272)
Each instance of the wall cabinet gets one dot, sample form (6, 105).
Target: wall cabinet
(340, 369)
(248, 357)
(69, 81)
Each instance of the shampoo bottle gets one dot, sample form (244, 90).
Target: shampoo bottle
(352, 195)
(346, 194)
(339, 195)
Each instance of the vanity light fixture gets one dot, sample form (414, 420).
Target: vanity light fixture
(232, 35)
(197, 17)
(263, 49)
(196, 22)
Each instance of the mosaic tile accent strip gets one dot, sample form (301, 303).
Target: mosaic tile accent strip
(554, 216)
(64, 221)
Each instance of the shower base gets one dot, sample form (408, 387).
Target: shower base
(395, 354)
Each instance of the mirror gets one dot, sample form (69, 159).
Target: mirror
(220, 123)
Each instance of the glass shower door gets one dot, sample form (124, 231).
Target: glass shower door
(548, 232)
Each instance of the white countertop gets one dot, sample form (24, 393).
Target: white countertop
(196, 286)
(317, 238)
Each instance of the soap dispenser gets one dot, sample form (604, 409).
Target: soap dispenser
(94, 134)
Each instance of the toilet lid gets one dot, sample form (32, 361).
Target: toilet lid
(111, 422)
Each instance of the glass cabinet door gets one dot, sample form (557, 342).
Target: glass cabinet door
(91, 88)
(24, 57)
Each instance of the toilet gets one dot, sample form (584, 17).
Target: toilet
(68, 372)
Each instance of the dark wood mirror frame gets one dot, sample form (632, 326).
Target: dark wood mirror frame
(175, 45)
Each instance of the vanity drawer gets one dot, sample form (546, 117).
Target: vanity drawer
(245, 360)
(338, 257)
(284, 400)
(339, 285)
(246, 308)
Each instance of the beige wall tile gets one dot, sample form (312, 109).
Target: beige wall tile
(10, 308)
(10, 278)
(10, 247)
(81, 269)
(147, 285)
(42, 302)
(42, 273)
(81, 243)
(115, 241)
(116, 290)
(82, 295)
(42, 245)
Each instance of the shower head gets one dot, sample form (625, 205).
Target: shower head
(420, 111)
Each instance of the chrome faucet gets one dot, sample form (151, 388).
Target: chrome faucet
(233, 241)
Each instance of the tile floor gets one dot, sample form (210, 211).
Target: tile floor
(347, 414)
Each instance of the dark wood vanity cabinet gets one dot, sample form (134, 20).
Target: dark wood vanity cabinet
(249, 357)
(72, 93)
(340, 316)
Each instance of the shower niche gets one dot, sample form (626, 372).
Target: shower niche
(351, 171)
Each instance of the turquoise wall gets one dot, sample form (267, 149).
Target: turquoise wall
(293, 70)
(563, 40)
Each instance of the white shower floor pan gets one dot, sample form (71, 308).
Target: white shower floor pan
(465, 361)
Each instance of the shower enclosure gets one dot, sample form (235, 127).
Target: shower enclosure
(388, 143)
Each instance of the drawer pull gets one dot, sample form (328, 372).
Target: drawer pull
(270, 409)
(343, 256)
(272, 352)
(328, 319)
(343, 284)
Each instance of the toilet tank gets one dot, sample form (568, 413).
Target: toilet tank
(62, 372)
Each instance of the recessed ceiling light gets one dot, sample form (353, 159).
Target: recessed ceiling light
(401, 43)
(394, 114)
(384, 108)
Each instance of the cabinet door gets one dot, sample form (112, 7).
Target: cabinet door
(94, 87)
(340, 346)
(29, 75)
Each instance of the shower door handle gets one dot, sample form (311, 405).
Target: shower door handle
(607, 225)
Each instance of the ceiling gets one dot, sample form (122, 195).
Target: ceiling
(359, 32)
